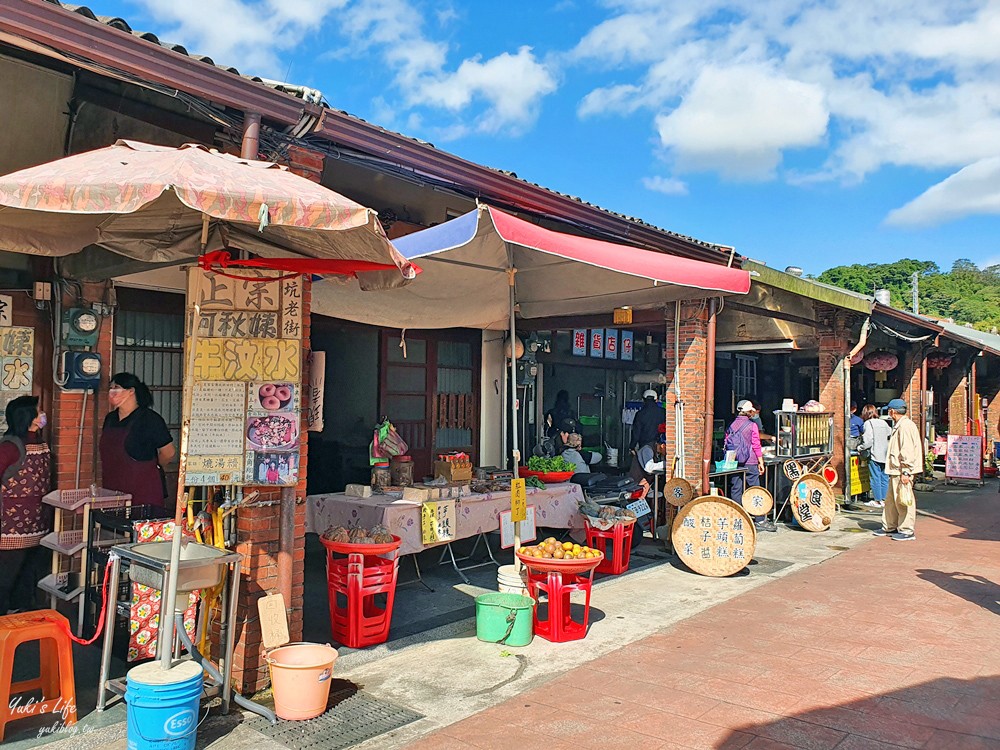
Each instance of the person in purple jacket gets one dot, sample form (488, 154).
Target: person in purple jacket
(743, 437)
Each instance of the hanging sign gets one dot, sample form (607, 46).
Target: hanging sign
(580, 342)
(860, 478)
(597, 342)
(964, 459)
(17, 365)
(245, 412)
(6, 308)
(627, 345)
(611, 343)
(623, 316)
(437, 522)
(528, 532)
(317, 386)
(518, 499)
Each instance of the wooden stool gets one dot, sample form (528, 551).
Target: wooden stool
(55, 678)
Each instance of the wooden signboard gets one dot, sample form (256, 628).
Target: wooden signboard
(17, 365)
(813, 504)
(437, 522)
(964, 459)
(246, 404)
(273, 621)
(714, 536)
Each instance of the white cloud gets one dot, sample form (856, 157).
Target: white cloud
(972, 190)
(665, 185)
(737, 121)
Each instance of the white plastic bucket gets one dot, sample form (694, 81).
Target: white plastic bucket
(612, 457)
(509, 581)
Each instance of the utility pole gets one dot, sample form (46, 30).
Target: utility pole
(915, 283)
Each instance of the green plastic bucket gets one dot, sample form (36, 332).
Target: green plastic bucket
(504, 618)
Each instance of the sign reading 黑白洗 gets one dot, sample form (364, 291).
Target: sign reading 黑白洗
(246, 403)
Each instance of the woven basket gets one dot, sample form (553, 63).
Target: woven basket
(678, 491)
(731, 539)
(757, 501)
(813, 503)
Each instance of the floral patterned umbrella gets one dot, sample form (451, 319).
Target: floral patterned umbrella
(160, 204)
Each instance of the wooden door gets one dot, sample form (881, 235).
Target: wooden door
(430, 392)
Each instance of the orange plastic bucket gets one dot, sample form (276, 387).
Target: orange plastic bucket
(300, 679)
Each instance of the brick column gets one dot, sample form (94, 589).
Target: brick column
(258, 532)
(693, 364)
(913, 385)
(835, 343)
(958, 404)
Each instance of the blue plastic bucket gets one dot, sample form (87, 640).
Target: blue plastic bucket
(163, 706)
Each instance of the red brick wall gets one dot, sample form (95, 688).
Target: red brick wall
(693, 369)
(913, 386)
(835, 343)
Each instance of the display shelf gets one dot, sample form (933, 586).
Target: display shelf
(49, 586)
(52, 542)
(96, 497)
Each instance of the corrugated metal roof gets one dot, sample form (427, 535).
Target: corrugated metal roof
(121, 24)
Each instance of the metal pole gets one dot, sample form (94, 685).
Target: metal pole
(251, 136)
(706, 458)
(515, 451)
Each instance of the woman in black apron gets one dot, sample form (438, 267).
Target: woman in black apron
(135, 442)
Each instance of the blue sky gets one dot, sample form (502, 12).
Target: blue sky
(802, 133)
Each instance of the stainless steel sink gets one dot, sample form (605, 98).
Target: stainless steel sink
(201, 566)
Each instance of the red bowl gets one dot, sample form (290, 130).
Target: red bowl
(346, 548)
(546, 565)
(549, 477)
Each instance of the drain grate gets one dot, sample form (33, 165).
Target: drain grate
(766, 566)
(354, 718)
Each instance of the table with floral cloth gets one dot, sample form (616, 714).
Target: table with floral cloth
(555, 507)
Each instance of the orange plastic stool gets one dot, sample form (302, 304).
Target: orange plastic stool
(358, 578)
(559, 626)
(621, 536)
(55, 678)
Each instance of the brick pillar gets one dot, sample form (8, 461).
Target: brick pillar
(834, 331)
(305, 163)
(989, 389)
(258, 532)
(693, 364)
(913, 385)
(958, 404)
(67, 409)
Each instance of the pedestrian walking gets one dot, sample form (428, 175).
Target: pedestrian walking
(875, 446)
(904, 460)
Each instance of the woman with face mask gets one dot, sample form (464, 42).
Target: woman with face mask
(135, 442)
(24, 519)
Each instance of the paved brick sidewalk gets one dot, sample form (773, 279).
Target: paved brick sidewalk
(889, 645)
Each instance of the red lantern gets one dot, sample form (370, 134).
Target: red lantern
(939, 361)
(880, 362)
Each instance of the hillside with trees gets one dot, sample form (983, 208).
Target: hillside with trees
(966, 293)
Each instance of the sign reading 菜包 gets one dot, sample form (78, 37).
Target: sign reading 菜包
(518, 499)
(17, 365)
(964, 459)
(246, 404)
(437, 522)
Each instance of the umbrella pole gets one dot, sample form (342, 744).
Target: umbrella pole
(170, 594)
(515, 449)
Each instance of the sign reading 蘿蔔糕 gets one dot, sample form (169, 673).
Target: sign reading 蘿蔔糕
(246, 403)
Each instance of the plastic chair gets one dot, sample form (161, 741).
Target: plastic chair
(559, 626)
(620, 535)
(55, 678)
(359, 578)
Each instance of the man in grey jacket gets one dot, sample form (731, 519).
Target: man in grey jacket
(904, 460)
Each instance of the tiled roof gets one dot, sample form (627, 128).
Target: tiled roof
(123, 25)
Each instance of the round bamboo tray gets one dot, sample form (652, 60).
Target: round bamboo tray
(757, 501)
(714, 536)
(678, 491)
(793, 470)
(813, 503)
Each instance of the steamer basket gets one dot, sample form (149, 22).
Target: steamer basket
(724, 521)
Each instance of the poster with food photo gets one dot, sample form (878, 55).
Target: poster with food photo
(273, 467)
(270, 398)
(272, 432)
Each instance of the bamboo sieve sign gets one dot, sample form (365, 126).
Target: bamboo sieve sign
(714, 536)
(246, 404)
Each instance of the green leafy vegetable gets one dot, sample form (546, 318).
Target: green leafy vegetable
(550, 465)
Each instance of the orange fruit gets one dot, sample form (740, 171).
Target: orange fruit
(567, 545)
(559, 554)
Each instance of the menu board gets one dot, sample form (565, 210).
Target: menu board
(246, 403)
(713, 536)
(965, 457)
(437, 522)
(17, 365)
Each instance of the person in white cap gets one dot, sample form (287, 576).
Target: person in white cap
(743, 438)
(647, 421)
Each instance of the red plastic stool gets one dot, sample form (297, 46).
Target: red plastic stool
(621, 536)
(359, 578)
(559, 626)
(55, 678)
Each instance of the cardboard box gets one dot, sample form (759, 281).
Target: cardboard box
(454, 471)
(358, 490)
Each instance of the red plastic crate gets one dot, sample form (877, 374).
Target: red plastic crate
(559, 626)
(356, 621)
(621, 537)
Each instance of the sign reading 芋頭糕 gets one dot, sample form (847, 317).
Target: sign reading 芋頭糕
(17, 365)
(437, 521)
(246, 403)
